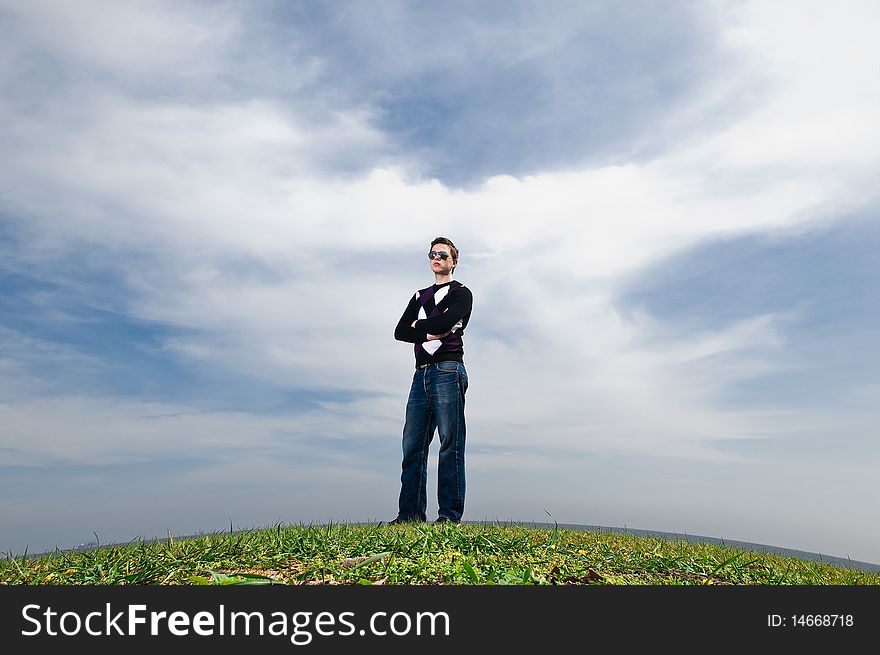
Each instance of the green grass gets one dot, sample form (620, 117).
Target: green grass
(422, 554)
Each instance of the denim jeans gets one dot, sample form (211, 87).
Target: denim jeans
(436, 401)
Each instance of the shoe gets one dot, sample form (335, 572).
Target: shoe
(397, 521)
(444, 519)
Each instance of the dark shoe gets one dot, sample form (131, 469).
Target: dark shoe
(444, 519)
(397, 521)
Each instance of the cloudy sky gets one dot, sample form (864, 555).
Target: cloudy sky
(212, 215)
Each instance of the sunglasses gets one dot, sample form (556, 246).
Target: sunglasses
(438, 254)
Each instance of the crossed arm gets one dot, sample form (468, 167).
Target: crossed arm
(414, 330)
(432, 337)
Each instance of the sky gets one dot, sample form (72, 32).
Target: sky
(212, 215)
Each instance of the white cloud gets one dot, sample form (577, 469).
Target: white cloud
(89, 431)
(122, 38)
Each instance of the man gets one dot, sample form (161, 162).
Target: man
(434, 321)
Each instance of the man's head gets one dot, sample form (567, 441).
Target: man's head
(443, 245)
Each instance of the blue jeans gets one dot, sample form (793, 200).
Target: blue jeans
(436, 401)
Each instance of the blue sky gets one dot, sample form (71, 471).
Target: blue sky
(213, 214)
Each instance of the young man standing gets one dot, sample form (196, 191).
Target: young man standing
(434, 321)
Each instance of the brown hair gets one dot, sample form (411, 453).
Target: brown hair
(452, 249)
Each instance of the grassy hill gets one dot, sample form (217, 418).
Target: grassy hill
(422, 554)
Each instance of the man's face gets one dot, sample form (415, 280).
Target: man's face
(442, 266)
